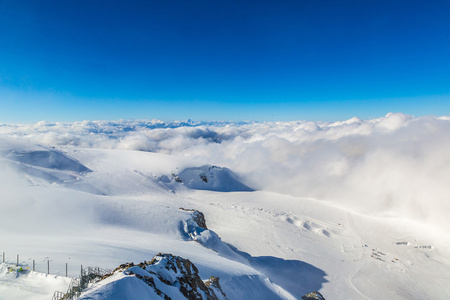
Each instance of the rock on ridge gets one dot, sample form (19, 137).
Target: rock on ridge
(194, 228)
(197, 216)
(169, 277)
(185, 273)
(313, 296)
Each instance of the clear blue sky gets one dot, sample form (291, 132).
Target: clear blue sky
(224, 60)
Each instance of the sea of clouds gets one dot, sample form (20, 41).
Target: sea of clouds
(395, 165)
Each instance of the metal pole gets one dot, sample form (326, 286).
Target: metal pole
(17, 260)
(33, 264)
(48, 267)
(3, 256)
(66, 269)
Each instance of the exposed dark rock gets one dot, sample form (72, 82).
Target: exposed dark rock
(198, 217)
(174, 271)
(151, 282)
(120, 268)
(204, 178)
(313, 296)
(175, 177)
(191, 285)
(213, 282)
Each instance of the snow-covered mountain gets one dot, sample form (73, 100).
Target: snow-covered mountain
(225, 200)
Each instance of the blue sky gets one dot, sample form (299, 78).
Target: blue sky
(222, 60)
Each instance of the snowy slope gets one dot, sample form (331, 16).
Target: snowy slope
(135, 219)
(105, 207)
(212, 178)
(28, 284)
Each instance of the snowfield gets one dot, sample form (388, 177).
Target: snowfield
(354, 209)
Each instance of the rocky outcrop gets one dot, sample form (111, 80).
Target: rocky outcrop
(213, 283)
(175, 177)
(184, 272)
(166, 273)
(150, 282)
(194, 228)
(198, 217)
(313, 296)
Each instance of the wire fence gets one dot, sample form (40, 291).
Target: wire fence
(45, 265)
(80, 277)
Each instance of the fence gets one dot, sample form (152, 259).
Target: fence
(78, 283)
(42, 266)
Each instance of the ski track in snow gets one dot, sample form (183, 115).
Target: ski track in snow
(359, 262)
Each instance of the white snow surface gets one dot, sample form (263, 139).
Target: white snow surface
(354, 209)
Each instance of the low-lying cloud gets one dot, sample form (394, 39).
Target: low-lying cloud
(397, 164)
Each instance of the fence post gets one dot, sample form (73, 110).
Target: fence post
(17, 260)
(33, 265)
(48, 267)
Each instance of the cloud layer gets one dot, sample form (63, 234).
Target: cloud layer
(397, 164)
